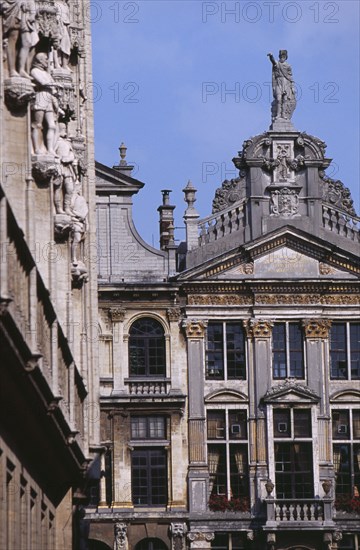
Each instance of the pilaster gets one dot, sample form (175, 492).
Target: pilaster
(117, 316)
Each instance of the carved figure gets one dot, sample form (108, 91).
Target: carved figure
(21, 33)
(61, 42)
(79, 211)
(46, 106)
(120, 530)
(64, 186)
(284, 102)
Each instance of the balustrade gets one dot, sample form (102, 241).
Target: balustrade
(221, 224)
(146, 386)
(343, 224)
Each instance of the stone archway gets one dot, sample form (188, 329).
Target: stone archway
(98, 545)
(151, 544)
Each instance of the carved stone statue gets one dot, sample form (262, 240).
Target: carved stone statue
(284, 102)
(120, 530)
(46, 109)
(61, 42)
(79, 210)
(21, 34)
(64, 186)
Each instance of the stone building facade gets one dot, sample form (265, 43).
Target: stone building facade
(230, 364)
(49, 432)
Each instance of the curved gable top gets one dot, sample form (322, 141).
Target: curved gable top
(226, 396)
(345, 396)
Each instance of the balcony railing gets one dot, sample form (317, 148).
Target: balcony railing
(288, 511)
(148, 387)
(338, 222)
(221, 224)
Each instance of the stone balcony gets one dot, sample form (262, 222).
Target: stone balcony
(299, 513)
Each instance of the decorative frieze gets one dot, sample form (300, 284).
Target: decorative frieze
(219, 300)
(195, 328)
(258, 328)
(316, 328)
(117, 314)
(326, 269)
(304, 299)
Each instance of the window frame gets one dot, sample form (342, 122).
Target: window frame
(226, 351)
(283, 442)
(348, 352)
(228, 446)
(287, 351)
(352, 443)
(144, 341)
(148, 453)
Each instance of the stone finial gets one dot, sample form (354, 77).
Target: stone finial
(123, 167)
(123, 150)
(166, 211)
(190, 197)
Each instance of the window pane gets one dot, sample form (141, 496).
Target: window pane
(215, 351)
(296, 351)
(355, 350)
(149, 477)
(239, 474)
(338, 351)
(138, 427)
(340, 425)
(146, 348)
(235, 348)
(217, 469)
(156, 427)
(216, 425)
(282, 425)
(342, 468)
(356, 461)
(237, 425)
(302, 423)
(356, 424)
(279, 350)
(293, 470)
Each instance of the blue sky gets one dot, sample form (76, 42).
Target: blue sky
(163, 75)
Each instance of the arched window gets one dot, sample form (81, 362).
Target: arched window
(151, 544)
(147, 348)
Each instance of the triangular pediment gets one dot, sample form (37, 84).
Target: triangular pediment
(283, 254)
(110, 180)
(290, 391)
(226, 396)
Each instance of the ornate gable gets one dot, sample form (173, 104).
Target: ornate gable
(290, 391)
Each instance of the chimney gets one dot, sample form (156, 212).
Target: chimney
(123, 167)
(166, 211)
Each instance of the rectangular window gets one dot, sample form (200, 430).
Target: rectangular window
(148, 427)
(228, 541)
(346, 451)
(225, 351)
(294, 470)
(149, 477)
(293, 458)
(288, 351)
(228, 460)
(345, 351)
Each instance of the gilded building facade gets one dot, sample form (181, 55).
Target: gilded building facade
(230, 363)
(49, 436)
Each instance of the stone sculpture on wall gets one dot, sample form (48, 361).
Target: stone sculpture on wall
(62, 43)
(64, 186)
(284, 102)
(79, 209)
(20, 31)
(45, 109)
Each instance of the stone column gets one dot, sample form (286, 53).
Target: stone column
(316, 333)
(119, 353)
(198, 476)
(259, 378)
(200, 539)
(178, 532)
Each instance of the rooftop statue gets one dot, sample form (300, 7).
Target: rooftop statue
(284, 102)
